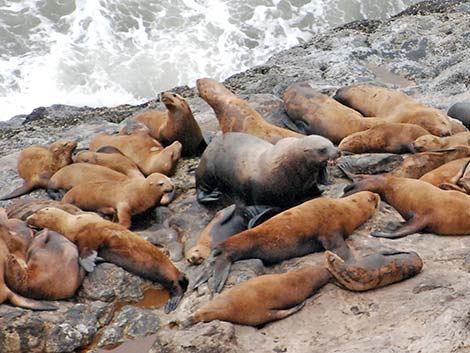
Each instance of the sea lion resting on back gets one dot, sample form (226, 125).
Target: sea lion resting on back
(256, 172)
(114, 243)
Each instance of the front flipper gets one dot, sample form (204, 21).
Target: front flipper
(282, 314)
(221, 270)
(204, 197)
(89, 262)
(335, 242)
(299, 126)
(413, 225)
(205, 272)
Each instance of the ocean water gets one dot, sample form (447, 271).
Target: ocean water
(111, 52)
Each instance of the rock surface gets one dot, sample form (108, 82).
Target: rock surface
(424, 51)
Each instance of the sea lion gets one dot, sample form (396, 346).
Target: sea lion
(48, 269)
(374, 271)
(418, 202)
(80, 173)
(386, 137)
(23, 208)
(431, 142)
(263, 299)
(461, 112)
(255, 172)
(460, 181)
(236, 115)
(227, 222)
(445, 173)
(122, 198)
(143, 150)
(315, 225)
(178, 124)
(115, 161)
(457, 126)
(315, 113)
(114, 243)
(394, 107)
(36, 164)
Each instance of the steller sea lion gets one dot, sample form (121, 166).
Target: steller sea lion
(394, 107)
(445, 173)
(23, 208)
(386, 137)
(255, 172)
(461, 112)
(315, 225)
(122, 198)
(315, 113)
(460, 181)
(114, 243)
(36, 164)
(374, 271)
(178, 124)
(263, 299)
(143, 150)
(431, 142)
(236, 115)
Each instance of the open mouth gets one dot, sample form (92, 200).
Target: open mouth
(168, 197)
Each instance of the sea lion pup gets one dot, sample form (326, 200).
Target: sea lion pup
(36, 164)
(178, 124)
(23, 208)
(49, 269)
(445, 173)
(315, 225)
(77, 174)
(143, 150)
(263, 299)
(114, 243)
(418, 202)
(394, 107)
(386, 137)
(431, 142)
(122, 198)
(255, 172)
(227, 222)
(114, 161)
(417, 165)
(315, 113)
(374, 271)
(236, 115)
(461, 112)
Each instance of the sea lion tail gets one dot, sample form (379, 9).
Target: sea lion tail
(18, 300)
(24, 189)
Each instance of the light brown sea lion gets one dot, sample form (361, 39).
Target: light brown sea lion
(457, 126)
(255, 172)
(236, 115)
(316, 113)
(178, 124)
(263, 299)
(423, 206)
(114, 243)
(460, 181)
(115, 161)
(386, 137)
(23, 208)
(36, 164)
(395, 107)
(374, 271)
(315, 225)
(77, 174)
(445, 173)
(48, 269)
(143, 150)
(122, 198)
(431, 142)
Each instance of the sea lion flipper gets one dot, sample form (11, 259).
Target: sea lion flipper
(203, 197)
(18, 300)
(204, 275)
(23, 189)
(88, 263)
(299, 126)
(221, 270)
(334, 242)
(413, 225)
(56, 194)
(263, 216)
(172, 303)
(282, 314)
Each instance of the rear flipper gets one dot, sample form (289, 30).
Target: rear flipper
(204, 197)
(282, 314)
(221, 270)
(263, 216)
(411, 226)
(18, 300)
(23, 189)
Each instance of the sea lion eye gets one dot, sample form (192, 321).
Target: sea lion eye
(323, 150)
(161, 183)
(174, 95)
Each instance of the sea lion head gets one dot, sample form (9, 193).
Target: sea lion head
(173, 101)
(433, 120)
(44, 217)
(63, 150)
(366, 198)
(353, 143)
(164, 185)
(318, 149)
(426, 143)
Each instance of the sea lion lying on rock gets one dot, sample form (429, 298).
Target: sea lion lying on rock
(445, 173)
(23, 208)
(431, 142)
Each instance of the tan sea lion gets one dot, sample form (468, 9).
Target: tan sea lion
(143, 150)
(431, 142)
(263, 299)
(114, 243)
(178, 124)
(318, 224)
(122, 198)
(374, 271)
(255, 172)
(36, 164)
(457, 126)
(394, 107)
(315, 113)
(236, 115)
(460, 181)
(445, 173)
(23, 208)
(386, 137)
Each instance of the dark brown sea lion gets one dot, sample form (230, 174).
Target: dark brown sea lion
(386, 137)
(36, 164)
(315, 113)
(178, 124)
(263, 299)
(445, 173)
(461, 111)
(123, 199)
(114, 243)
(23, 208)
(255, 172)
(236, 115)
(431, 142)
(394, 107)
(315, 225)
(374, 271)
